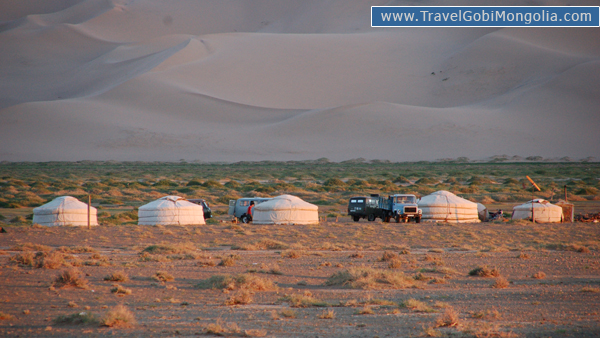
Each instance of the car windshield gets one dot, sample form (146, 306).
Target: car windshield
(405, 199)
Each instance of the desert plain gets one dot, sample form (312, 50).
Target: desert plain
(338, 278)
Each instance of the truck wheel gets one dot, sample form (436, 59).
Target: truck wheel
(371, 217)
(245, 219)
(356, 218)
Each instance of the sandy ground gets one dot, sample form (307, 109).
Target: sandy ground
(561, 304)
(269, 80)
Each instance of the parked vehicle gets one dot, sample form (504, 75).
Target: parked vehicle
(204, 204)
(399, 207)
(364, 207)
(239, 207)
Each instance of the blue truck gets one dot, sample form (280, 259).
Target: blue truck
(401, 207)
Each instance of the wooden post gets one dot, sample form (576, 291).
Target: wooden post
(532, 198)
(566, 193)
(89, 210)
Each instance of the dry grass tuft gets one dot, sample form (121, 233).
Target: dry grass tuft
(501, 283)
(416, 305)
(6, 316)
(51, 260)
(117, 276)
(255, 333)
(165, 249)
(243, 281)
(291, 254)
(327, 314)
(163, 276)
(356, 255)
(263, 244)
(395, 264)
(484, 271)
(590, 289)
(288, 313)
(487, 314)
(365, 310)
(119, 316)
(120, 290)
(221, 329)
(539, 275)
(228, 261)
(26, 258)
(448, 319)
(30, 247)
(305, 300)
(76, 249)
(70, 278)
(523, 255)
(368, 278)
(241, 297)
(388, 256)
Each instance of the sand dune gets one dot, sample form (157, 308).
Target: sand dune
(257, 80)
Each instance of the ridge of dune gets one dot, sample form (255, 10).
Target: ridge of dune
(232, 80)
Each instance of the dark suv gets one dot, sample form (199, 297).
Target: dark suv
(204, 204)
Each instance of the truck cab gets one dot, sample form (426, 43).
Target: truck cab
(400, 207)
(239, 207)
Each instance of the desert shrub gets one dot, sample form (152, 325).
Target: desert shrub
(484, 271)
(243, 281)
(291, 254)
(120, 290)
(194, 182)
(119, 316)
(50, 260)
(426, 180)
(229, 260)
(6, 316)
(334, 182)
(263, 244)
(367, 278)
(181, 248)
(163, 276)
(448, 318)
(395, 264)
(80, 318)
(539, 275)
(30, 247)
(70, 278)
(305, 300)
(165, 184)
(587, 191)
(388, 256)
(220, 329)
(117, 276)
(212, 184)
(401, 179)
(365, 310)
(26, 258)
(240, 297)
(327, 314)
(501, 283)
(76, 249)
(416, 305)
(590, 289)
(233, 185)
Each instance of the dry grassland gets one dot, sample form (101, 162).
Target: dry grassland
(342, 279)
